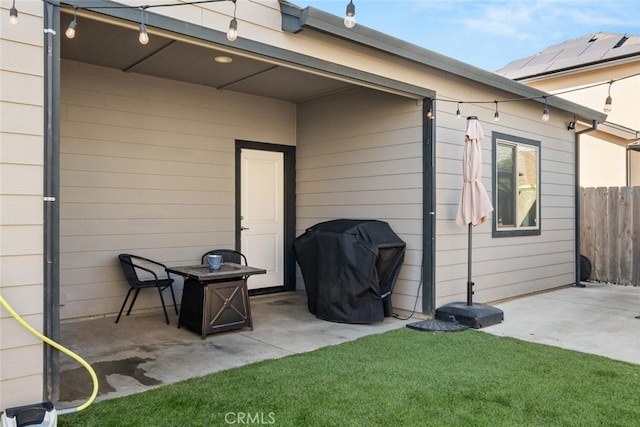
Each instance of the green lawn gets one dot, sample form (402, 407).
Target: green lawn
(400, 378)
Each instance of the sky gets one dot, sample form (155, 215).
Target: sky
(489, 33)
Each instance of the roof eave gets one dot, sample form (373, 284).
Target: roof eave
(295, 19)
(623, 132)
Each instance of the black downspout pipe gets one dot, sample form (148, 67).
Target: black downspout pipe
(429, 207)
(628, 166)
(51, 188)
(594, 126)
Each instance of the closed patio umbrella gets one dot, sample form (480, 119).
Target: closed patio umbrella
(473, 209)
(475, 205)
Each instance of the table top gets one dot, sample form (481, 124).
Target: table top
(227, 270)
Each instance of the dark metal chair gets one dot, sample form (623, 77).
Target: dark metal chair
(228, 255)
(131, 264)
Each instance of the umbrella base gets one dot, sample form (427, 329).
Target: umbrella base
(434, 325)
(474, 316)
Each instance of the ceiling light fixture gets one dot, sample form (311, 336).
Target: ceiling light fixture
(350, 18)
(223, 59)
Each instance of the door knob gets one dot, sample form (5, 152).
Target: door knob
(243, 228)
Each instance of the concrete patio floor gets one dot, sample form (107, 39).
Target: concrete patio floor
(597, 319)
(142, 351)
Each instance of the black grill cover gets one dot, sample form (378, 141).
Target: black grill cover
(349, 269)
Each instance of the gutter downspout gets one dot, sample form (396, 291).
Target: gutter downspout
(594, 126)
(628, 165)
(51, 199)
(428, 273)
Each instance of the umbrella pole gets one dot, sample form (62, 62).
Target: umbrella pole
(469, 282)
(473, 315)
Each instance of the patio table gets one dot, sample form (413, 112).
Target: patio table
(215, 301)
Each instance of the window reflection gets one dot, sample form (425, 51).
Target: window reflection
(516, 185)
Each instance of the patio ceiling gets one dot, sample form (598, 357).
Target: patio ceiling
(116, 46)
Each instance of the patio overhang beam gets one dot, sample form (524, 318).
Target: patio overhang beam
(189, 32)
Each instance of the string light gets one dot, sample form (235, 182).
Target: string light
(71, 29)
(232, 33)
(350, 18)
(13, 14)
(143, 38)
(349, 22)
(545, 111)
(607, 102)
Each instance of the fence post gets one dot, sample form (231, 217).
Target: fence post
(601, 233)
(625, 243)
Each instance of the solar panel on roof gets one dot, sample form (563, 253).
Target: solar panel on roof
(621, 41)
(574, 53)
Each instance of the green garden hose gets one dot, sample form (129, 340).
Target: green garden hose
(61, 348)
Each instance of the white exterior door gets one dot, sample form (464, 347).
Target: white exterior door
(262, 223)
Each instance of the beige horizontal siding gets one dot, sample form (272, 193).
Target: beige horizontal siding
(359, 155)
(21, 205)
(508, 266)
(147, 167)
(15, 391)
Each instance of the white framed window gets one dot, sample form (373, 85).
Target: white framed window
(516, 186)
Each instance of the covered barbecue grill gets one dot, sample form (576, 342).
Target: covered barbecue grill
(350, 268)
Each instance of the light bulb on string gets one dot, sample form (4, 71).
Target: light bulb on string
(545, 111)
(13, 14)
(232, 32)
(458, 115)
(143, 37)
(607, 102)
(496, 115)
(71, 29)
(350, 18)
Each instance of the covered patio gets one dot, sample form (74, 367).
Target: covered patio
(151, 140)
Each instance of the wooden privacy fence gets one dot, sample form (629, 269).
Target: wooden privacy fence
(610, 233)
